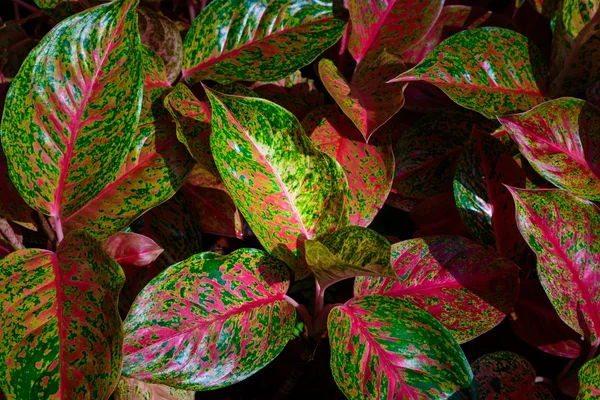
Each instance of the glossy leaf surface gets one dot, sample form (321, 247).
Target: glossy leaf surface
(72, 110)
(589, 380)
(369, 168)
(491, 70)
(263, 40)
(562, 231)
(561, 141)
(287, 190)
(369, 101)
(484, 203)
(195, 340)
(396, 25)
(461, 284)
(132, 389)
(382, 347)
(12, 205)
(60, 9)
(62, 337)
(128, 248)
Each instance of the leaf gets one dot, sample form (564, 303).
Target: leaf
(396, 25)
(575, 49)
(383, 347)
(72, 110)
(128, 248)
(60, 9)
(426, 155)
(259, 40)
(225, 321)
(132, 389)
(561, 229)
(538, 324)
(369, 168)
(493, 71)
(349, 252)
(461, 284)
(369, 101)
(287, 190)
(589, 380)
(506, 375)
(12, 205)
(484, 203)
(60, 333)
(438, 215)
(155, 167)
(161, 35)
(561, 141)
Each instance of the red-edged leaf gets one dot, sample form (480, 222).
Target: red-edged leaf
(539, 325)
(386, 348)
(438, 215)
(484, 203)
(128, 248)
(286, 189)
(132, 389)
(589, 380)
(369, 101)
(562, 231)
(395, 25)
(460, 283)
(491, 70)
(592, 94)
(12, 205)
(60, 333)
(561, 140)
(72, 110)
(506, 375)
(258, 40)
(369, 168)
(225, 321)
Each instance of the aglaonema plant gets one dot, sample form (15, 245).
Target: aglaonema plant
(139, 141)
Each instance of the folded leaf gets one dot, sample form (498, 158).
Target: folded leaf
(72, 111)
(493, 71)
(461, 284)
(369, 168)
(383, 347)
(128, 248)
(562, 230)
(561, 141)
(132, 389)
(264, 40)
(589, 380)
(225, 321)
(369, 101)
(62, 338)
(287, 190)
(396, 25)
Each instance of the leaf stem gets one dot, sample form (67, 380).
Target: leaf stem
(191, 10)
(319, 296)
(302, 311)
(26, 6)
(9, 234)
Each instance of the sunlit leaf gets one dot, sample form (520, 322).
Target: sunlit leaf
(132, 389)
(589, 380)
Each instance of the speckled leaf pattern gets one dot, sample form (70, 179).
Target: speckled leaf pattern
(494, 71)
(463, 285)
(589, 380)
(369, 168)
(258, 40)
(60, 333)
(349, 252)
(72, 111)
(561, 141)
(426, 155)
(396, 25)
(60, 9)
(194, 339)
(132, 389)
(161, 35)
(484, 203)
(386, 348)
(12, 205)
(575, 47)
(287, 190)
(562, 231)
(155, 167)
(592, 94)
(369, 101)
(506, 375)
(128, 248)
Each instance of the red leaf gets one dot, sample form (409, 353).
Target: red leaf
(129, 248)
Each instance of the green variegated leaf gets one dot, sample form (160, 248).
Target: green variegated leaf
(369, 101)
(132, 389)
(12, 205)
(484, 203)
(386, 348)
(561, 141)
(258, 40)
(61, 9)
(287, 190)
(72, 111)
(225, 321)
(589, 380)
(493, 71)
(61, 334)
(562, 230)
(351, 251)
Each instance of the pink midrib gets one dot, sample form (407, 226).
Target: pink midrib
(377, 27)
